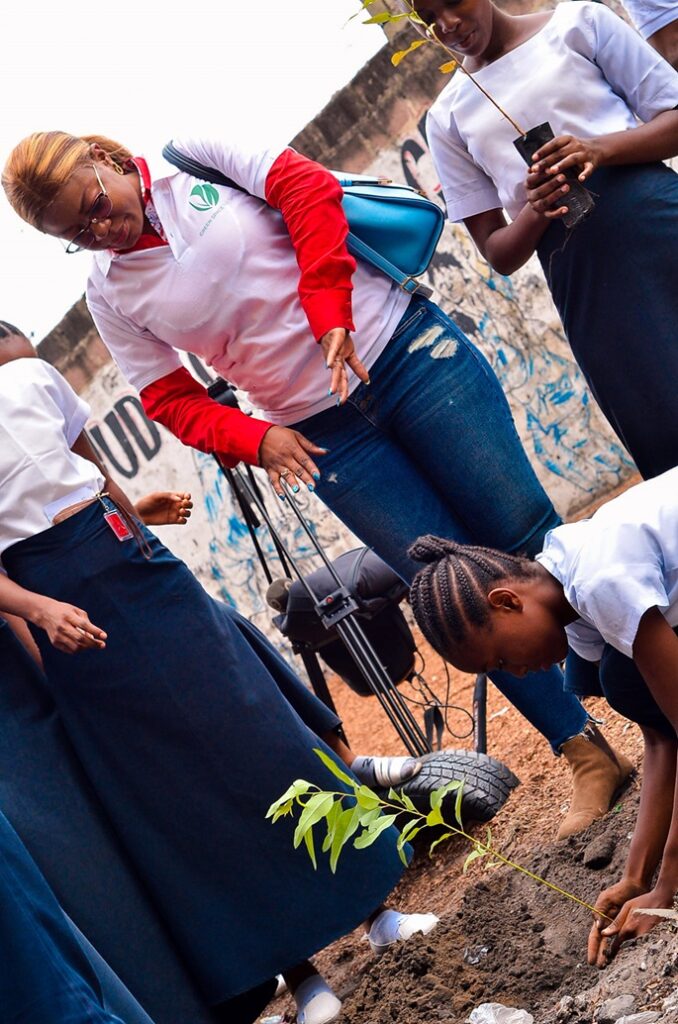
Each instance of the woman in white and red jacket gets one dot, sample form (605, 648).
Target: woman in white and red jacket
(403, 413)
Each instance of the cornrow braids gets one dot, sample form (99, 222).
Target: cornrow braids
(449, 595)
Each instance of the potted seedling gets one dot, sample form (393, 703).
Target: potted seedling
(578, 201)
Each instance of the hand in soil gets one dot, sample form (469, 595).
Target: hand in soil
(619, 902)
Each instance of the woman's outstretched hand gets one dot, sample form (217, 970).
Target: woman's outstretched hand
(165, 508)
(617, 903)
(286, 454)
(339, 352)
(68, 628)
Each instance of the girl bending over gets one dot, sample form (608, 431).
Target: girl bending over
(606, 587)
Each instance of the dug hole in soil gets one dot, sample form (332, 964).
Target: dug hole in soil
(503, 937)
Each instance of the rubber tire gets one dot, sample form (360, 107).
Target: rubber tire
(487, 783)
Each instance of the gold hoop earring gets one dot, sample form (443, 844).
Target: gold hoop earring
(118, 168)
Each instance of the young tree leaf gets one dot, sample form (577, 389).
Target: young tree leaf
(408, 828)
(365, 5)
(407, 802)
(371, 834)
(316, 808)
(366, 798)
(332, 818)
(382, 18)
(346, 825)
(435, 817)
(332, 765)
(367, 817)
(282, 811)
(298, 788)
(308, 839)
(440, 839)
(400, 55)
(439, 794)
(457, 805)
(402, 840)
(473, 855)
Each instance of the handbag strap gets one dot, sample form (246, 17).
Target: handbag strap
(409, 284)
(355, 245)
(197, 170)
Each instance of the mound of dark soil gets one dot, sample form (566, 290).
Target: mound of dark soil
(515, 942)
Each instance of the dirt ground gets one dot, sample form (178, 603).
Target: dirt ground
(502, 937)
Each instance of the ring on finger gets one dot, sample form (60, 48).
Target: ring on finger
(285, 472)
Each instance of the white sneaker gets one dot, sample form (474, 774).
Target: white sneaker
(281, 986)
(316, 1002)
(390, 927)
(384, 772)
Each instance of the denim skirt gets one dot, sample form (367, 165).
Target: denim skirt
(188, 726)
(614, 280)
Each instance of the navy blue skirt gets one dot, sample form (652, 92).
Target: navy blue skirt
(614, 280)
(188, 726)
(45, 974)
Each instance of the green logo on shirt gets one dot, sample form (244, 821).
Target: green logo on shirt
(206, 196)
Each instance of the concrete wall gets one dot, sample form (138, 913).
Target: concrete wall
(374, 124)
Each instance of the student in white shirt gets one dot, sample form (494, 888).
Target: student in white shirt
(610, 100)
(607, 587)
(657, 21)
(186, 719)
(250, 281)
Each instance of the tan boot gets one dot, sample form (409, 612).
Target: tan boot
(597, 775)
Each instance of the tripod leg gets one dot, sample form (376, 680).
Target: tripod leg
(480, 712)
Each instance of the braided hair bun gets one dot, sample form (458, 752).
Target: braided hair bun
(431, 549)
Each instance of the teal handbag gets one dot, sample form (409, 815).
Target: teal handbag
(393, 227)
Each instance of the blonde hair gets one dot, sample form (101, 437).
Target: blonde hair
(42, 163)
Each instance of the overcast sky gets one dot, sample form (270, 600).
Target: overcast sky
(144, 72)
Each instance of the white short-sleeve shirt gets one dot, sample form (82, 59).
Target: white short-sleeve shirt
(649, 16)
(586, 72)
(40, 418)
(225, 288)
(618, 564)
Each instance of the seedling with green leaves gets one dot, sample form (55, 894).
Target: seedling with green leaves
(359, 815)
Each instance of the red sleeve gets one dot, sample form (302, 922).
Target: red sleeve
(182, 405)
(309, 198)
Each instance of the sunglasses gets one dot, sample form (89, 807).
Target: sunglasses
(101, 208)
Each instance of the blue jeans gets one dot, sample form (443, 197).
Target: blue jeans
(430, 446)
